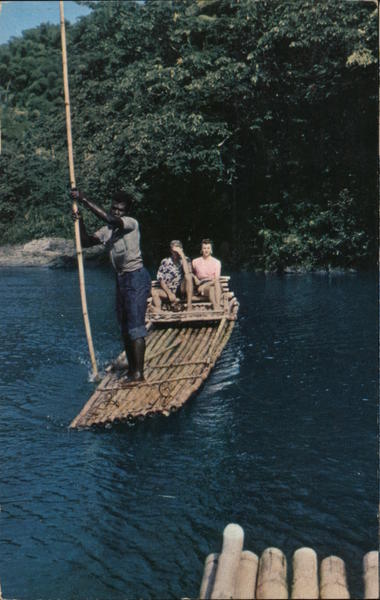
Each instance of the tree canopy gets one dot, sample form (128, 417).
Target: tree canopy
(253, 123)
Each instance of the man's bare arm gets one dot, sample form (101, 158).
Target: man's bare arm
(181, 254)
(87, 239)
(108, 218)
(196, 280)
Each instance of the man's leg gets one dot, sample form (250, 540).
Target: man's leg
(211, 294)
(121, 317)
(136, 357)
(136, 302)
(138, 349)
(208, 291)
(189, 290)
(157, 296)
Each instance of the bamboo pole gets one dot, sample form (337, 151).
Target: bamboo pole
(75, 206)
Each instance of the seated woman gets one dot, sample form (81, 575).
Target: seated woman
(206, 273)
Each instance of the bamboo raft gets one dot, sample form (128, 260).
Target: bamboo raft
(240, 574)
(181, 349)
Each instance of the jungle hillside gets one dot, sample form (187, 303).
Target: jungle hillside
(253, 123)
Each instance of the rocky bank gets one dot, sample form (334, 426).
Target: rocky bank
(47, 252)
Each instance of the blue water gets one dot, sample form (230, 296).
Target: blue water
(282, 439)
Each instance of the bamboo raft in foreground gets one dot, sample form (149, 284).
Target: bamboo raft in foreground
(240, 574)
(182, 348)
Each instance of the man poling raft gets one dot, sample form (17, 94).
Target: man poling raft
(121, 237)
(182, 347)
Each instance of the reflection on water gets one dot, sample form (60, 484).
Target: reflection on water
(281, 439)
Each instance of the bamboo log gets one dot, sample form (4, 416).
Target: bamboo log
(113, 401)
(197, 352)
(221, 343)
(219, 347)
(216, 338)
(305, 575)
(164, 339)
(246, 577)
(228, 564)
(271, 581)
(174, 345)
(189, 350)
(154, 393)
(208, 578)
(224, 279)
(135, 403)
(371, 575)
(107, 406)
(121, 397)
(173, 317)
(272, 576)
(182, 397)
(333, 583)
(153, 338)
(75, 207)
(175, 354)
(165, 353)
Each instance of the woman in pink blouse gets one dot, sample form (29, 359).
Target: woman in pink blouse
(206, 273)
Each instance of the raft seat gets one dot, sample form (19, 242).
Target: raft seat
(202, 311)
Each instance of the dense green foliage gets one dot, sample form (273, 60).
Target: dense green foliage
(253, 123)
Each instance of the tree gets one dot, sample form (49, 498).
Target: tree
(249, 122)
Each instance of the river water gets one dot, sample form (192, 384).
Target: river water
(282, 439)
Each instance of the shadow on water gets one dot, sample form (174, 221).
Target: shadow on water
(281, 439)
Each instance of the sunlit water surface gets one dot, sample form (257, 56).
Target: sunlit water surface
(281, 439)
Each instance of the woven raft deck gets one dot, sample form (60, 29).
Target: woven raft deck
(178, 360)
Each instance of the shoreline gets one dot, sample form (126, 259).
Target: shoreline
(56, 252)
(45, 252)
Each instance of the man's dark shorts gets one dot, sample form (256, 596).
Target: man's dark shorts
(132, 292)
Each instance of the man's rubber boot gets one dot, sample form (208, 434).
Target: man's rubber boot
(138, 350)
(129, 353)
